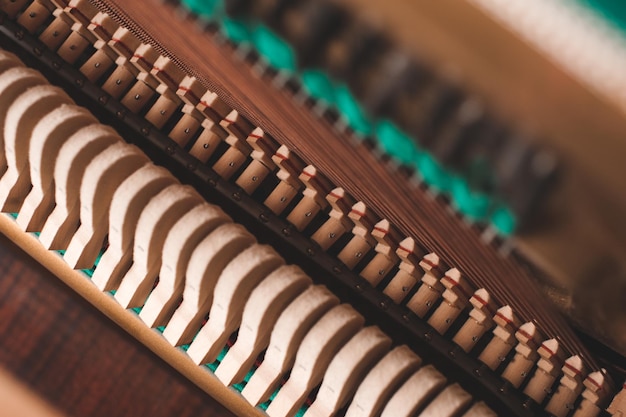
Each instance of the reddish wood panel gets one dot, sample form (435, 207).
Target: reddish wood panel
(76, 358)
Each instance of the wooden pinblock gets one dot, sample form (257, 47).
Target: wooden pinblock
(181, 240)
(12, 8)
(409, 253)
(21, 118)
(415, 393)
(48, 137)
(338, 222)
(98, 63)
(316, 351)
(430, 291)
(479, 321)
(129, 200)
(529, 339)
(266, 303)
(155, 221)
(163, 109)
(456, 297)
(292, 325)
(102, 177)
(503, 339)
(232, 290)
(382, 381)
(347, 369)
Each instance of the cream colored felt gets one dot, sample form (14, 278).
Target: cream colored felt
(382, 381)
(415, 393)
(232, 290)
(181, 240)
(21, 108)
(316, 351)
(128, 202)
(74, 157)
(102, 177)
(207, 262)
(291, 327)
(155, 221)
(8, 61)
(263, 308)
(452, 401)
(480, 409)
(347, 369)
(48, 136)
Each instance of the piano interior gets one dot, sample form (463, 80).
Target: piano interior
(337, 207)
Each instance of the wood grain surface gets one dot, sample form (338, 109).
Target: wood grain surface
(76, 358)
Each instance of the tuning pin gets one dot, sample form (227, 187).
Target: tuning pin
(289, 168)
(480, 320)
(362, 241)
(548, 368)
(263, 147)
(456, 297)
(387, 238)
(503, 339)
(338, 222)
(430, 290)
(407, 277)
(529, 339)
(598, 387)
(570, 387)
(313, 200)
